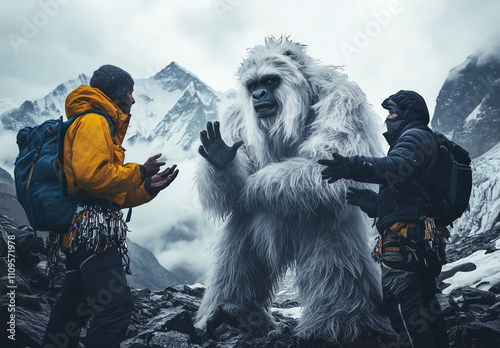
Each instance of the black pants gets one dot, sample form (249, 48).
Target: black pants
(95, 288)
(409, 287)
(410, 303)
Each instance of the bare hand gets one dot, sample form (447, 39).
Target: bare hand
(152, 166)
(214, 149)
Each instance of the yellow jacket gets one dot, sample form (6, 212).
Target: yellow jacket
(92, 162)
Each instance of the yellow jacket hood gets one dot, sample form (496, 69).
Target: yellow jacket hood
(93, 160)
(86, 98)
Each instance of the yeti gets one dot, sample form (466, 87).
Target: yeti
(261, 179)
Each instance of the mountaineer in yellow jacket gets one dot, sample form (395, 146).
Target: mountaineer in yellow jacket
(95, 286)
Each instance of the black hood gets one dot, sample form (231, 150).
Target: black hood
(412, 106)
(411, 109)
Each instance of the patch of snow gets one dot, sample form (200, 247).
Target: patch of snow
(294, 312)
(474, 113)
(486, 274)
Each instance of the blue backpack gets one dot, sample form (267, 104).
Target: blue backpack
(39, 175)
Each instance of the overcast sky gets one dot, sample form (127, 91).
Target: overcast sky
(384, 45)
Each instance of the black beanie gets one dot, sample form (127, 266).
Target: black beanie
(112, 81)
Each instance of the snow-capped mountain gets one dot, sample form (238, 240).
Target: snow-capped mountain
(34, 112)
(468, 111)
(171, 107)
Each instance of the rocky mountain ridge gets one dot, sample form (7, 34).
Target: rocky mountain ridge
(468, 104)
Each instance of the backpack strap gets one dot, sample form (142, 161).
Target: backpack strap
(92, 111)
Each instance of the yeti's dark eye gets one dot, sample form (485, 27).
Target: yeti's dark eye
(270, 81)
(251, 85)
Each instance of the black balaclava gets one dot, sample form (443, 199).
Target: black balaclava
(409, 106)
(393, 124)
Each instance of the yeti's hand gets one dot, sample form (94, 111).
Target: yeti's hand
(337, 168)
(214, 149)
(365, 199)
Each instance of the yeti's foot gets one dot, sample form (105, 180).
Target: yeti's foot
(251, 321)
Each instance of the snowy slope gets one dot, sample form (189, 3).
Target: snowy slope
(484, 205)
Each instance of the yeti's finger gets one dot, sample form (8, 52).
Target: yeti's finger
(236, 146)
(204, 139)
(217, 130)
(210, 131)
(202, 152)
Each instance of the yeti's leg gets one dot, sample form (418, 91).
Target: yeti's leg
(239, 289)
(339, 288)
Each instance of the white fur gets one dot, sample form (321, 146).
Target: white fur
(279, 213)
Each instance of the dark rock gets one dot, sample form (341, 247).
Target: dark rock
(287, 304)
(182, 322)
(171, 339)
(473, 295)
(448, 305)
(495, 288)
(486, 333)
(225, 332)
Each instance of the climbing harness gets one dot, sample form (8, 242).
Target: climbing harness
(92, 230)
(398, 231)
(436, 239)
(432, 252)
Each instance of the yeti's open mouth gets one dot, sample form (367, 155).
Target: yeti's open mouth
(265, 110)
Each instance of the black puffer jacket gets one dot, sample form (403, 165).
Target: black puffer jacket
(412, 159)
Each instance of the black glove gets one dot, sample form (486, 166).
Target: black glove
(337, 168)
(365, 199)
(214, 149)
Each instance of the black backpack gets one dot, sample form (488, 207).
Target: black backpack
(39, 175)
(452, 188)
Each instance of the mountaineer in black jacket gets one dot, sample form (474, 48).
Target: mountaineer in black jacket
(408, 275)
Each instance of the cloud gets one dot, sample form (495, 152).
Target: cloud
(172, 225)
(490, 49)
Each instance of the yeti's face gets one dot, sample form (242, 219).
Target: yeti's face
(263, 94)
(274, 92)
